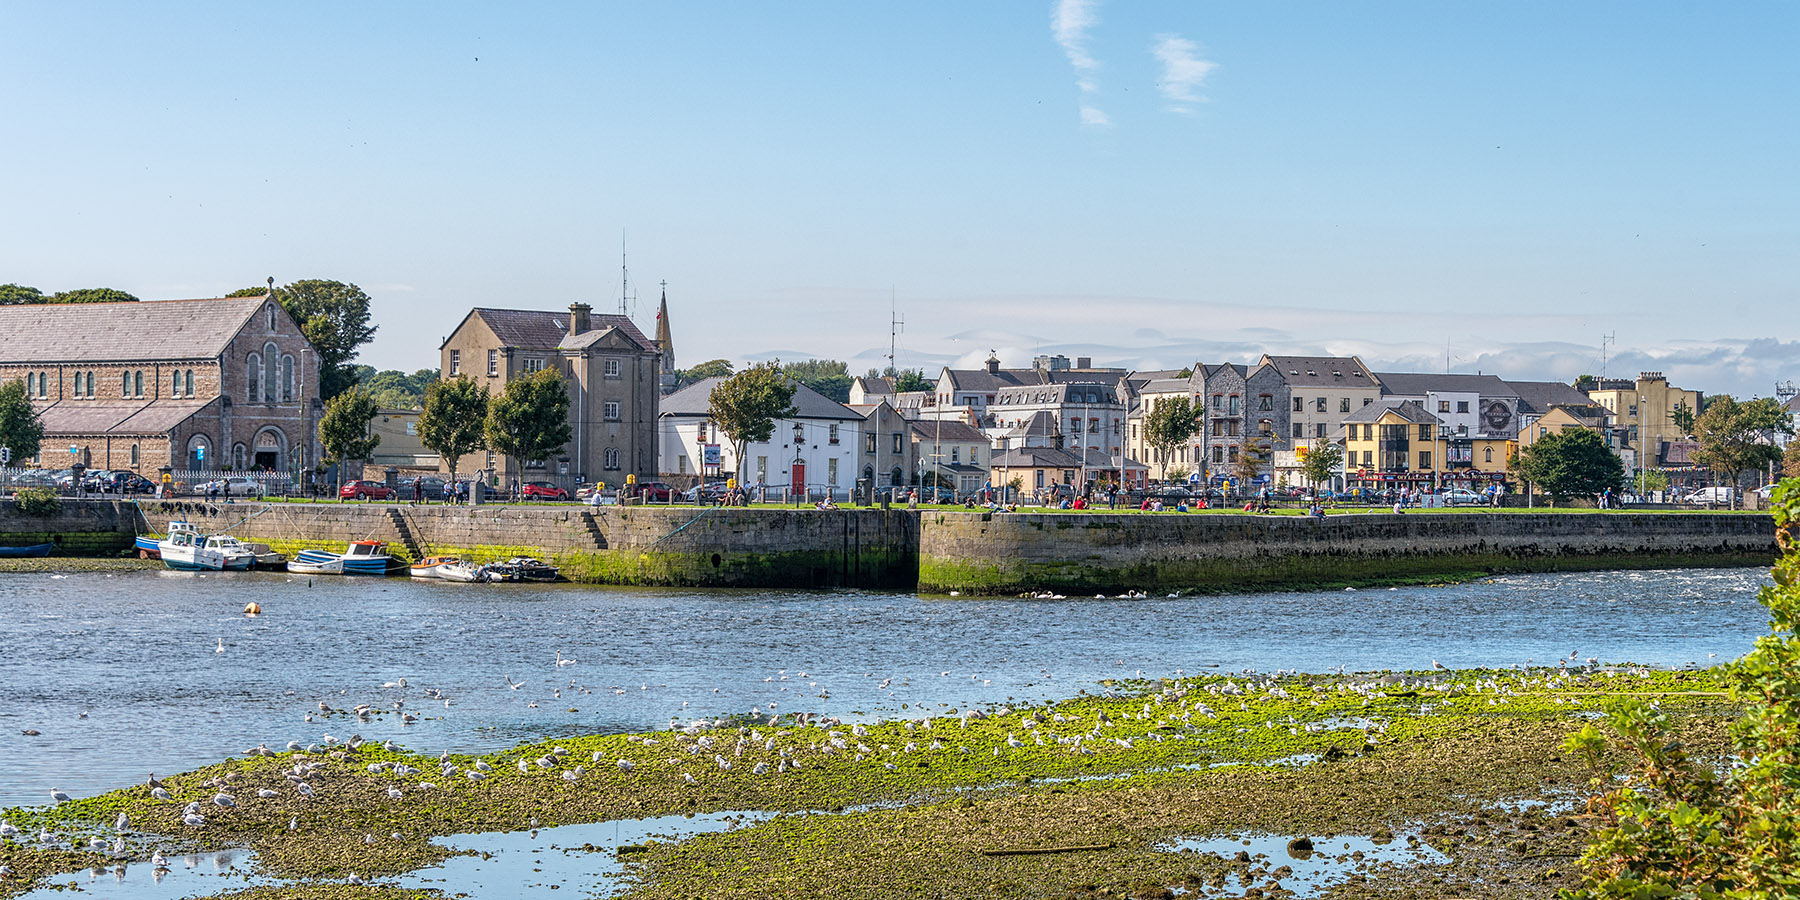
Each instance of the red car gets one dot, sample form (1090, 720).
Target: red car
(363, 490)
(650, 491)
(543, 490)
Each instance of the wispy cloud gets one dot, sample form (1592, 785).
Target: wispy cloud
(1182, 72)
(1070, 22)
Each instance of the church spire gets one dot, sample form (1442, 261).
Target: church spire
(664, 343)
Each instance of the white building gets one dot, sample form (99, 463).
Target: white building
(825, 460)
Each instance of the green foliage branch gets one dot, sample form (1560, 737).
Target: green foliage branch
(529, 419)
(1323, 460)
(746, 405)
(1172, 421)
(1676, 828)
(454, 420)
(1571, 463)
(344, 427)
(20, 428)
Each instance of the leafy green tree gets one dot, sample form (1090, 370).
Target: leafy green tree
(1790, 460)
(1680, 828)
(746, 405)
(529, 420)
(334, 316)
(249, 292)
(1683, 416)
(91, 295)
(20, 429)
(19, 295)
(1252, 453)
(827, 376)
(454, 420)
(394, 389)
(910, 380)
(712, 368)
(1323, 460)
(1572, 463)
(1172, 421)
(1737, 436)
(344, 428)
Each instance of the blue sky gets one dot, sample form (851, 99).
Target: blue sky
(1492, 185)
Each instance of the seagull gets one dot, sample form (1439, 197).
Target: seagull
(194, 819)
(224, 799)
(122, 824)
(510, 684)
(161, 794)
(355, 879)
(57, 795)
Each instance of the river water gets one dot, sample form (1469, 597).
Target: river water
(123, 674)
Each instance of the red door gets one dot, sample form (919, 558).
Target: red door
(799, 480)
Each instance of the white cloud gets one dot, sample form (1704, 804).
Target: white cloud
(1182, 71)
(1070, 22)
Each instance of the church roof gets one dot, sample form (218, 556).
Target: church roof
(148, 329)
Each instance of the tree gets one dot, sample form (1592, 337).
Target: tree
(1737, 436)
(394, 389)
(530, 419)
(827, 376)
(249, 292)
(1572, 463)
(1790, 460)
(18, 294)
(1253, 454)
(910, 380)
(20, 429)
(712, 368)
(746, 405)
(454, 419)
(1683, 416)
(91, 295)
(344, 427)
(334, 316)
(1172, 421)
(1676, 826)
(1323, 460)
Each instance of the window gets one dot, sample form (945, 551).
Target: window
(533, 364)
(1424, 431)
(77, 387)
(1218, 454)
(456, 362)
(869, 443)
(1368, 400)
(681, 464)
(493, 362)
(175, 383)
(1040, 478)
(1074, 426)
(610, 460)
(1318, 429)
(1634, 434)
(1462, 429)
(137, 383)
(134, 456)
(1368, 457)
(1233, 404)
(832, 435)
(611, 408)
(1231, 454)
(611, 368)
(1633, 409)
(762, 469)
(956, 456)
(269, 311)
(1265, 402)
(1462, 406)
(1487, 454)
(1231, 427)
(1368, 432)
(1424, 459)
(190, 382)
(125, 384)
(899, 442)
(1218, 401)
(1299, 404)
(1320, 405)
(974, 456)
(1299, 430)
(1344, 405)
(287, 378)
(252, 378)
(1444, 406)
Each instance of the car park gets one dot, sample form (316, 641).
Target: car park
(365, 490)
(542, 490)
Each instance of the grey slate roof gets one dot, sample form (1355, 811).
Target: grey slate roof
(1536, 397)
(116, 416)
(150, 329)
(1035, 458)
(1315, 371)
(1410, 410)
(541, 330)
(1417, 384)
(1167, 386)
(943, 430)
(696, 400)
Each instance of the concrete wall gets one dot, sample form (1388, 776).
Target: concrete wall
(77, 529)
(1011, 553)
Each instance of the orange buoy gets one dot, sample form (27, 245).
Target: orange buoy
(252, 609)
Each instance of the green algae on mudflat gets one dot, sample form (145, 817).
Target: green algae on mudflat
(1176, 738)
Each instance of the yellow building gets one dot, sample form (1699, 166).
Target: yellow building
(1644, 411)
(1562, 418)
(1399, 444)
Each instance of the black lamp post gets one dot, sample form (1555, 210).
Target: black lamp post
(799, 438)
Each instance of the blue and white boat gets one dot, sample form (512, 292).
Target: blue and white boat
(360, 558)
(184, 547)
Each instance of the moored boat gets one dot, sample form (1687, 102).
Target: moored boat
(184, 547)
(238, 557)
(32, 550)
(432, 566)
(359, 558)
(525, 568)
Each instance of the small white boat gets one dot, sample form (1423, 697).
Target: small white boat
(184, 547)
(359, 558)
(237, 555)
(449, 568)
(432, 566)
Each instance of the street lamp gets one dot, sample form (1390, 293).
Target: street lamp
(1643, 434)
(794, 474)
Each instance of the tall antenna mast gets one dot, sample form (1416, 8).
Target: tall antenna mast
(624, 274)
(1604, 340)
(894, 326)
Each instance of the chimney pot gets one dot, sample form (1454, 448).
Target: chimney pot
(578, 317)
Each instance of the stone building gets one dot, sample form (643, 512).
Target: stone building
(190, 384)
(614, 377)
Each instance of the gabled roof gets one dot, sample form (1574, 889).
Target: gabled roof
(148, 329)
(1321, 371)
(1793, 404)
(1418, 384)
(1587, 414)
(1536, 397)
(947, 430)
(1167, 386)
(875, 384)
(1035, 458)
(1410, 410)
(1041, 422)
(533, 329)
(1219, 368)
(983, 380)
(695, 401)
(117, 416)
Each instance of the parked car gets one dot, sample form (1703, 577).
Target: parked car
(239, 487)
(1710, 495)
(1463, 497)
(542, 490)
(364, 490)
(650, 491)
(708, 493)
(36, 478)
(126, 483)
(430, 487)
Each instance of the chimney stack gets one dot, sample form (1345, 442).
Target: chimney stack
(1084, 362)
(993, 363)
(578, 317)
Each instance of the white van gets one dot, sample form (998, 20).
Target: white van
(1710, 495)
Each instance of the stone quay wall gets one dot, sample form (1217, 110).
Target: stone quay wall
(1021, 552)
(939, 552)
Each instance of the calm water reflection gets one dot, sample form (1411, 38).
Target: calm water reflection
(121, 673)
